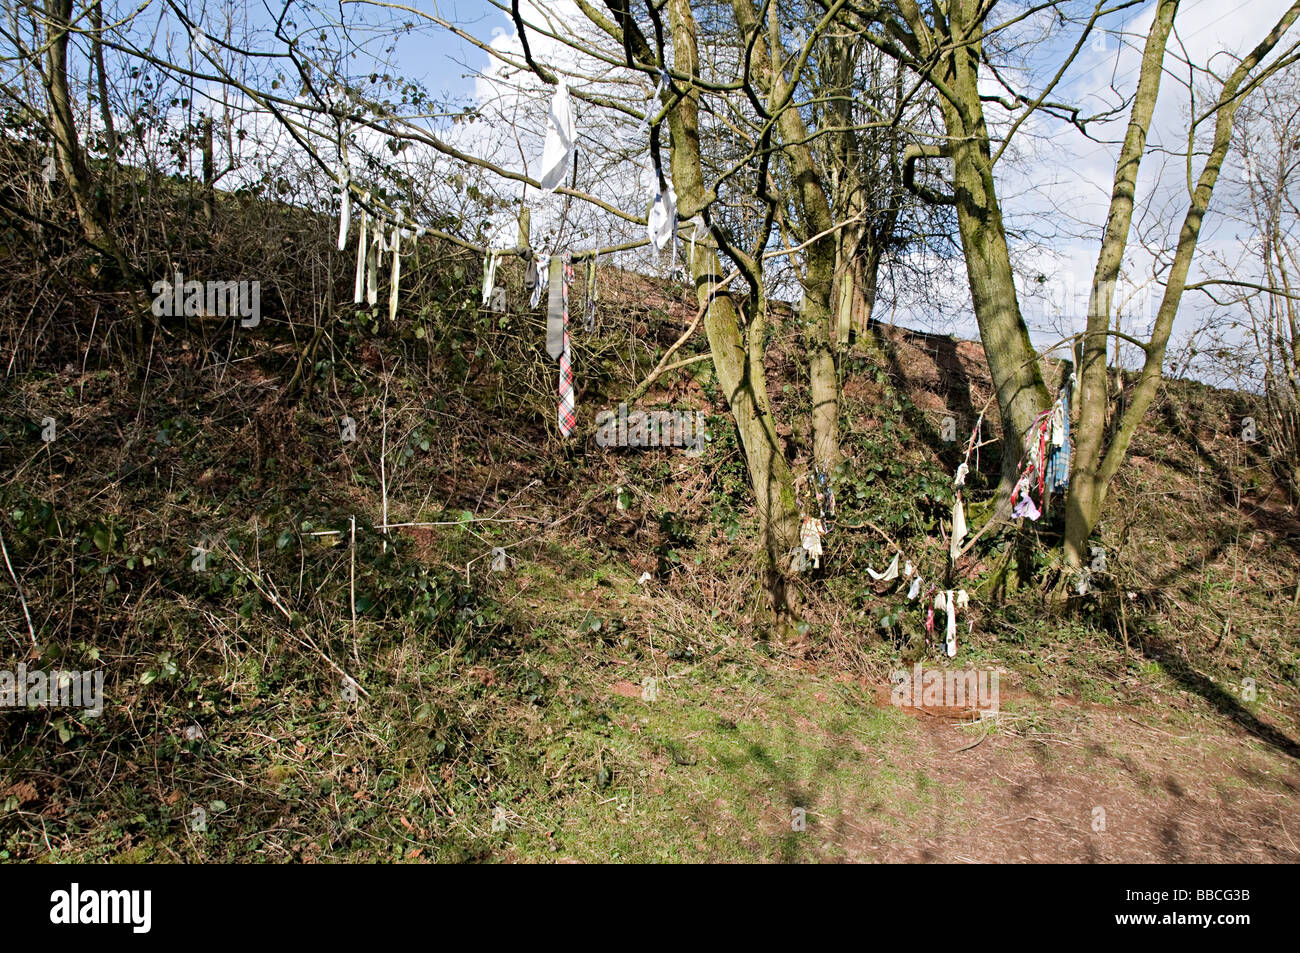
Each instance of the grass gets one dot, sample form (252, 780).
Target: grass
(714, 768)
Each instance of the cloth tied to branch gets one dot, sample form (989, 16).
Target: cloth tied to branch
(561, 139)
(662, 222)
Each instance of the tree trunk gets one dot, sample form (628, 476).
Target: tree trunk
(737, 357)
(67, 145)
(1013, 363)
(101, 82)
(92, 208)
(209, 175)
(823, 377)
(819, 256)
(1083, 503)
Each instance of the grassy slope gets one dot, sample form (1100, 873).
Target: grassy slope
(517, 695)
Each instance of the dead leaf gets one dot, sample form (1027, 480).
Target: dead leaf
(627, 689)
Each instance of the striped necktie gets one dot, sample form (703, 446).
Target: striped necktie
(568, 416)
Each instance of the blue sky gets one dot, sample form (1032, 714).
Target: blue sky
(441, 61)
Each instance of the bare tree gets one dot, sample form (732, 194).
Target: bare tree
(1096, 462)
(1257, 326)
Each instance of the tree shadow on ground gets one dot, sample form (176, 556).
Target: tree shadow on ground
(1278, 524)
(1173, 659)
(954, 388)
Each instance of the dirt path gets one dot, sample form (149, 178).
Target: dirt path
(1095, 785)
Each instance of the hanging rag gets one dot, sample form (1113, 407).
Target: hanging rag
(561, 138)
(662, 221)
(490, 277)
(1034, 471)
(960, 478)
(345, 183)
(913, 592)
(825, 494)
(946, 601)
(1058, 464)
(1040, 459)
(890, 573)
(568, 415)
(699, 232)
(397, 269)
(1026, 507)
(810, 537)
(345, 210)
(908, 569)
(589, 303)
(543, 281)
(359, 289)
(958, 528)
(556, 308)
(530, 276)
(372, 262)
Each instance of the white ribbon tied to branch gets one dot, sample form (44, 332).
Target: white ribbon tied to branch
(561, 139)
(362, 248)
(661, 224)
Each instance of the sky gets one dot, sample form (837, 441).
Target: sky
(1069, 177)
(439, 59)
(1054, 184)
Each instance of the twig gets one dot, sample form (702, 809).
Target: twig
(383, 473)
(275, 601)
(872, 526)
(663, 367)
(1157, 730)
(21, 598)
(352, 591)
(974, 744)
